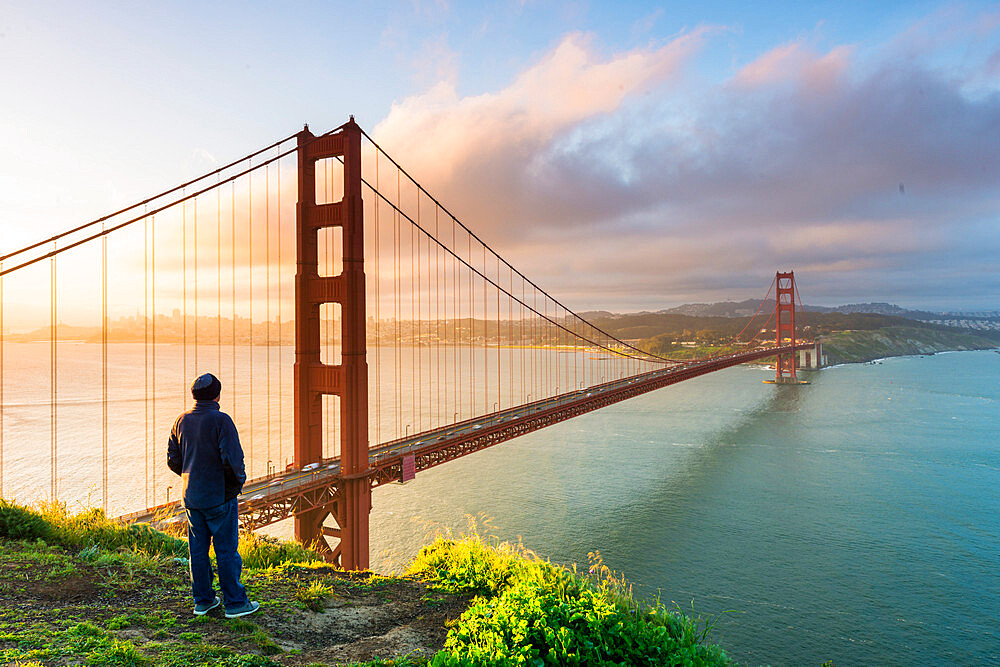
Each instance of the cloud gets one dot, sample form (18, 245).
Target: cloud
(631, 181)
(568, 85)
(795, 64)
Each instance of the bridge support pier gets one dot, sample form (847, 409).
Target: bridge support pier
(348, 380)
(813, 358)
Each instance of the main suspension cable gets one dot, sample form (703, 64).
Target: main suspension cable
(146, 201)
(761, 306)
(110, 230)
(646, 355)
(509, 265)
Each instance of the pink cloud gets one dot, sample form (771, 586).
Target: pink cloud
(795, 63)
(437, 131)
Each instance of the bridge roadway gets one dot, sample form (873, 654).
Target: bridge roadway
(282, 495)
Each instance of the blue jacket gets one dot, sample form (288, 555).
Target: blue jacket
(204, 449)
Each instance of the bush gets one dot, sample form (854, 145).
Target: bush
(20, 523)
(90, 531)
(471, 565)
(532, 612)
(93, 528)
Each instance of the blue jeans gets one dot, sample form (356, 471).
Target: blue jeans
(220, 527)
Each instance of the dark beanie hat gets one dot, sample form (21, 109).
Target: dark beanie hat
(206, 387)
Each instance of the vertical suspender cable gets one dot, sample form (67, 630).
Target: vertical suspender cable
(456, 301)
(267, 301)
(523, 342)
(547, 352)
(395, 308)
(53, 375)
(250, 306)
(1, 378)
(232, 286)
(576, 363)
(218, 277)
(378, 337)
(184, 368)
(145, 347)
(486, 339)
(418, 377)
(535, 327)
(437, 317)
(561, 368)
(499, 372)
(472, 327)
(413, 347)
(195, 227)
(280, 355)
(152, 307)
(104, 372)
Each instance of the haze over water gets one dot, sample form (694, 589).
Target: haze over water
(851, 519)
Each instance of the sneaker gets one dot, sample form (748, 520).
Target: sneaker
(203, 608)
(244, 610)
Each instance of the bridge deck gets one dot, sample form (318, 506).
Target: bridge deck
(282, 495)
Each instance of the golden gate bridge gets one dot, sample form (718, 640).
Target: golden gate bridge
(370, 320)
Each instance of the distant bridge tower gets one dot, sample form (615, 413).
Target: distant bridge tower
(349, 502)
(784, 316)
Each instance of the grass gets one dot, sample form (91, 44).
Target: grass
(53, 523)
(312, 595)
(524, 610)
(48, 639)
(260, 552)
(46, 548)
(86, 640)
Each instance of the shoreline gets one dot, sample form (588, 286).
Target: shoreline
(888, 342)
(898, 356)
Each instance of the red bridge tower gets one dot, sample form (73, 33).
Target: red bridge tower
(350, 499)
(784, 317)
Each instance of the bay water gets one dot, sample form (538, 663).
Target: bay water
(853, 519)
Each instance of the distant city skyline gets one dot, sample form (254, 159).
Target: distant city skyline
(625, 156)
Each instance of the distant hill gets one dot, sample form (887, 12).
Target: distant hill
(721, 309)
(678, 327)
(747, 308)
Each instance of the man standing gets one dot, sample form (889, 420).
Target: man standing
(204, 449)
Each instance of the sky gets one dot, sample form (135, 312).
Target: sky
(624, 155)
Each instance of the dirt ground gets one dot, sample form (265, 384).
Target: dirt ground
(366, 617)
(46, 592)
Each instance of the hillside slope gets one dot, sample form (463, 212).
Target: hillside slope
(82, 589)
(859, 346)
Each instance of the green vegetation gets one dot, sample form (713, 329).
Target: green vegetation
(847, 337)
(311, 595)
(529, 611)
(83, 589)
(665, 346)
(53, 523)
(260, 552)
(858, 346)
